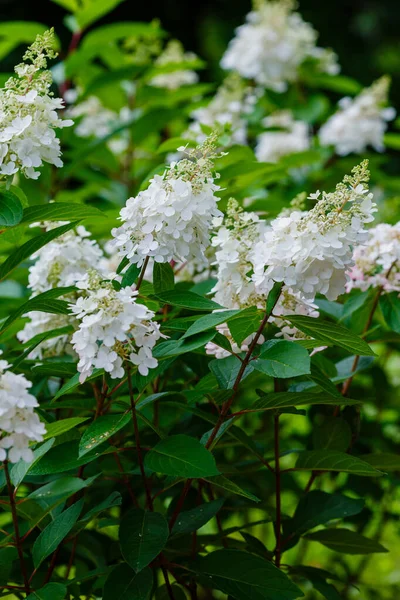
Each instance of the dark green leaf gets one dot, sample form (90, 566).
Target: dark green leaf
(332, 434)
(182, 456)
(163, 278)
(187, 300)
(211, 321)
(229, 486)
(286, 399)
(62, 426)
(331, 334)
(130, 275)
(390, 307)
(226, 370)
(55, 532)
(183, 346)
(60, 211)
(244, 576)
(50, 591)
(346, 541)
(245, 324)
(10, 208)
(101, 430)
(384, 461)
(330, 460)
(125, 584)
(191, 520)
(142, 537)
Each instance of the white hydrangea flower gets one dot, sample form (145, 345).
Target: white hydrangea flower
(233, 242)
(171, 219)
(28, 114)
(311, 251)
(19, 424)
(232, 101)
(359, 122)
(61, 263)
(292, 136)
(271, 46)
(377, 262)
(292, 303)
(113, 328)
(173, 56)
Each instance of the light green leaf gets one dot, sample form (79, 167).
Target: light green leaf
(182, 456)
(21, 468)
(62, 426)
(73, 383)
(61, 488)
(211, 321)
(60, 211)
(282, 359)
(101, 430)
(93, 10)
(346, 541)
(330, 460)
(244, 576)
(14, 33)
(125, 584)
(332, 334)
(142, 536)
(55, 532)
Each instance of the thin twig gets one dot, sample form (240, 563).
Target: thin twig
(16, 528)
(142, 273)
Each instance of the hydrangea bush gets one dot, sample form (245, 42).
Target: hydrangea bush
(200, 318)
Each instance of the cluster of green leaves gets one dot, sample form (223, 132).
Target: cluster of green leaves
(206, 478)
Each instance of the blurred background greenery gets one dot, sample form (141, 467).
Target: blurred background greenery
(364, 34)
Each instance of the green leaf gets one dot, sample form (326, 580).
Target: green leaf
(163, 593)
(317, 508)
(55, 532)
(45, 302)
(60, 211)
(101, 430)
(142, 536)
(244, 576)
(50, 591)
(346, 541)
(33, 245)
(187, 300)
(62, 426)
(273, 297)
(130, 275)
(73, 383)
(211, 321)
(61, 488)
(245, 323)
(229, 486)
(390, 307)
(114, 499)
(93, 10)
(332, 434)
(286, 399)
(21, 468)
(318, 377)
(64, 457)
(282, 359)
(192, 520)
(14, 33)
(330, 460)
(7, 557)
(384, 461)
(392, 140)
(125, 584)
(163, 278)
(182, 456)
(182, 346)
(331, 334)
(10, 208)
(226, 370)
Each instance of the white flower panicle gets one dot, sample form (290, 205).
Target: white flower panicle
(377, 262)
(174, 56)
(113, 328)
(28, 114)
(310, 251)
(274, 42)
(359, 122)
(61, 263)
(171, 219)
(19, 424)
(232, 101)
(234, 241)
(288, 136)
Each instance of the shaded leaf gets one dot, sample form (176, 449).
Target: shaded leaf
(183, 456)
(101, 430)
(193, 519)
(346, 541)
(330, 460)
(282, 359)
(124, 584)
(142, 536)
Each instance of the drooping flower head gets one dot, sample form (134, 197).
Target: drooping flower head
(113, 328)
(171, 219)
(232, 101)
(311, 251)
(274, 42)
(377, 262)
(359, 122)
(28, 114)
(19, 424)
(287, 136)
(173, 56)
